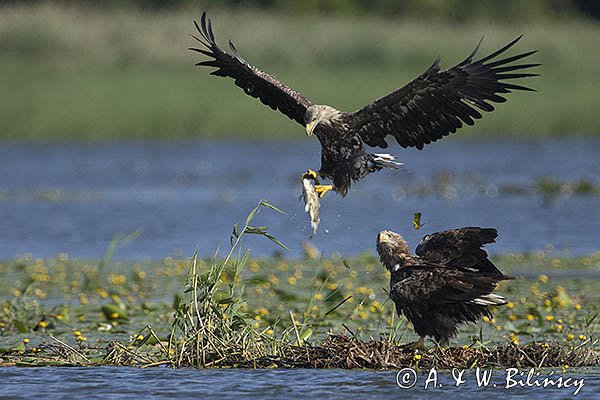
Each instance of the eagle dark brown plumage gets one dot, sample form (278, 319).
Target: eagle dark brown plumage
(448, 281)
(433, 105)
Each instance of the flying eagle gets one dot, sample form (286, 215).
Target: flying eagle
(449, 281)
(430, 107)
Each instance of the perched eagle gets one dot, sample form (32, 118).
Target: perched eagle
(433, 105)
(449, 281)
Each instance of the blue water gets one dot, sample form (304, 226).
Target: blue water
(132, 383)
(74, 198)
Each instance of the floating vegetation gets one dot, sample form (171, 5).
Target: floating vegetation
(451, 186)
(236, 311)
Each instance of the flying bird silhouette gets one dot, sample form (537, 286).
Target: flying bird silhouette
(433, 105)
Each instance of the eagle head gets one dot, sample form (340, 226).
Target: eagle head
(392, 249)
(319, 114)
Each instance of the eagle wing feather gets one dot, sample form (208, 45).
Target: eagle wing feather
(438, 102)
(256, 83)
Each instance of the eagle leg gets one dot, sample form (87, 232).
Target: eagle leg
(322, 189)
(419, 344)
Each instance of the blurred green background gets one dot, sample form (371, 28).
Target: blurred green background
(77, 70)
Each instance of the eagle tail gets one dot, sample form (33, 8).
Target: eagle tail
(490, 300)
(385, 160)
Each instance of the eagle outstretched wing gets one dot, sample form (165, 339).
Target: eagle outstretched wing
(438, 102)
(460, 248)
(255, 82)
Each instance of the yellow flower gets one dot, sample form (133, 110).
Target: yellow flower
(282, 266)
(486, 319)
(549, 317)
(81, 338)
(115, 279)
(273, 279)
(116, 298)
(514, 339)
(292, 280)
(318, 296)
(43, 324)
(565, 367)
(543, 278)
(582, 337)
(77, 333)
(578, 306)
(253, 266)
(270, 332)
(262, 311)
(570, 336)
(417, 357)
(510, 304)
(547, 302)
(530, 317)
(25, 340)
(512, 317)
(364, 290)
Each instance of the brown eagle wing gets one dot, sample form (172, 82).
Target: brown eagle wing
(460, 248)
(253, 81)
(437, 102)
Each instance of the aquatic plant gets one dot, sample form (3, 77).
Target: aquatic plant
(210, 327)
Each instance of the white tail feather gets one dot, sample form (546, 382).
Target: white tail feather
(489, 300)
(387, 160)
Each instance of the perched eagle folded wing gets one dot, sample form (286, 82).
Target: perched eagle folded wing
(255, 82)
(437, 285)
(460, 248)
(438, 102)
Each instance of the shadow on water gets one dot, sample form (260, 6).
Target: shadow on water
(75, 197)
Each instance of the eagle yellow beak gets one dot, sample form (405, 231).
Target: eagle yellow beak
(383, 237)
(310, 127)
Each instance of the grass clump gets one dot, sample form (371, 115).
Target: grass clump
(211, 327)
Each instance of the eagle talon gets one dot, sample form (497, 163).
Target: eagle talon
(322, 189)
(310, 174)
